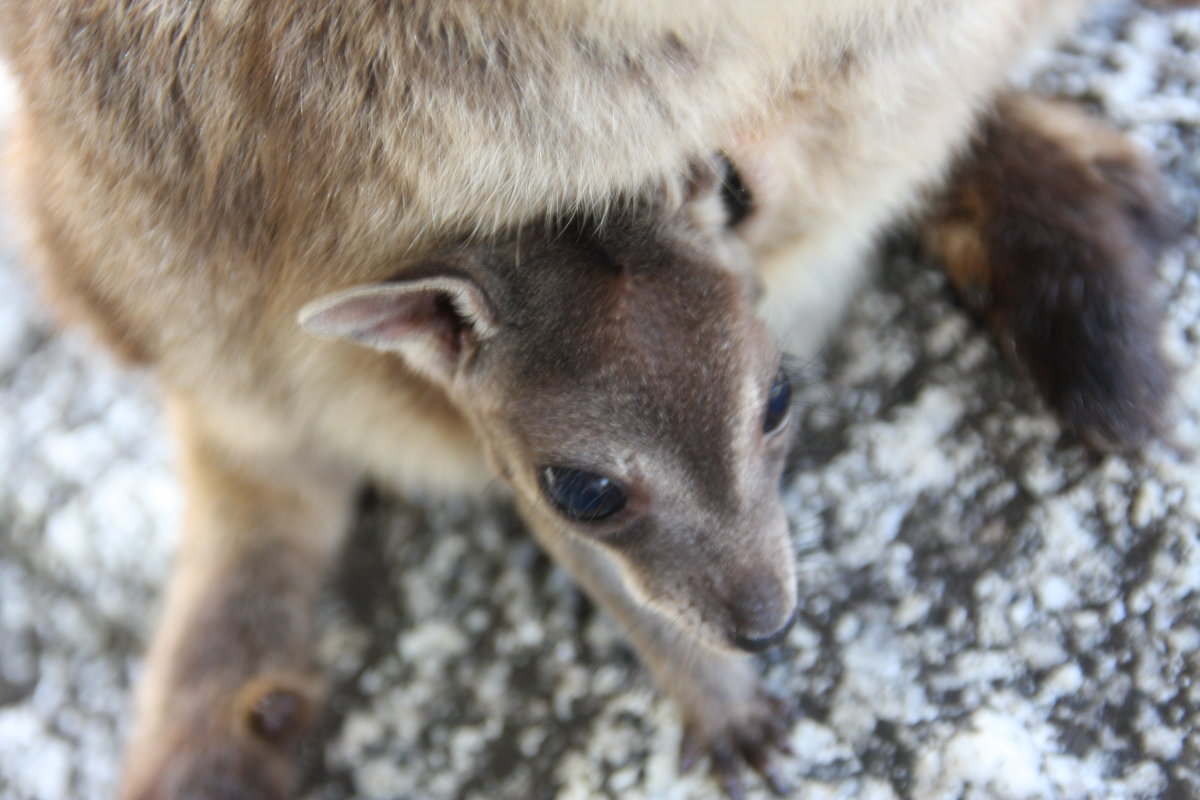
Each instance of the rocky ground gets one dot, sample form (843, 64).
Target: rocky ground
(989, 611)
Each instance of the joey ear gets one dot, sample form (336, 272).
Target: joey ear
(427, 320)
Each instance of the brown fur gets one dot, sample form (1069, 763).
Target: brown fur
(1050, 233)
(198, 175)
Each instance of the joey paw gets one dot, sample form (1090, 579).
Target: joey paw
(751, 736)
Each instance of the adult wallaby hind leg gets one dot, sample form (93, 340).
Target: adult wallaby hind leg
(231, 679)
(1050, 229)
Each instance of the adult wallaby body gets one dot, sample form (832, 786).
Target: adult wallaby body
(433, 242)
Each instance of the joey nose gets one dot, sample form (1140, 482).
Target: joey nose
(762, 618)
(757, 644)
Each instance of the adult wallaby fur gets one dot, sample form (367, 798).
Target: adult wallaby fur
(436, 241)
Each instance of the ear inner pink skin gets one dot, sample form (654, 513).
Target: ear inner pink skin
(395, 315)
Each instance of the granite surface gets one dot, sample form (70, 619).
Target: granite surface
(989, 610)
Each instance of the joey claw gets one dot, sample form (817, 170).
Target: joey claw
(732, 784)
(757, 754)
(786, 709)
(775, 782)
(776, 732)
(728, 772)
(690, 751)
(733, 738)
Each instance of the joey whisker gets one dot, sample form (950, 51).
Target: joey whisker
(810, 564)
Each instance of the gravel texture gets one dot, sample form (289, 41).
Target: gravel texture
(989, 610)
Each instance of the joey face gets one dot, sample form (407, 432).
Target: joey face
(622, 383)
(638, 403)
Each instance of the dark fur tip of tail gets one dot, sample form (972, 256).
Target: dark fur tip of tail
(1063, 223)
(1077, 308)
(1103, 373)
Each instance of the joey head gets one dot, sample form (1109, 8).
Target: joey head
(618, 378)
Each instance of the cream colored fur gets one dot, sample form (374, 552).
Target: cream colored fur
(198, 250)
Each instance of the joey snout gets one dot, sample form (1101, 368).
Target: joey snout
(740, 595)
(762, 610)
(753, 601)
(749, 609)
(756, 583)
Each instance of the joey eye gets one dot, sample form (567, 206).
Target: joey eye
(779, 402)
(582, 496)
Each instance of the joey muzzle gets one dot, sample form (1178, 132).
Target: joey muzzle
(762, 614)
(758, 644)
